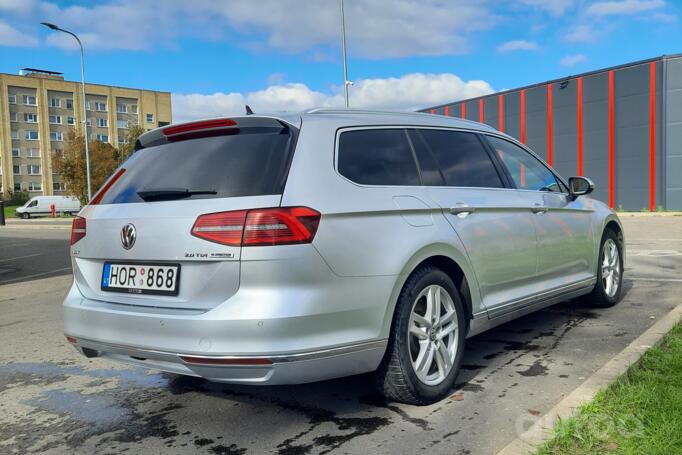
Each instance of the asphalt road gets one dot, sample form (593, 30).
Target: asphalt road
(52, 400)
(40, 251)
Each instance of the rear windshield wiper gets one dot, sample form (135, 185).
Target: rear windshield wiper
(169, 194)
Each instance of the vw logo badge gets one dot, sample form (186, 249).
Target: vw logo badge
(128, 236)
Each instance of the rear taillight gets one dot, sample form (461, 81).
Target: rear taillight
(224, 227)
(108, 184)
(259, 227)
(77, 229)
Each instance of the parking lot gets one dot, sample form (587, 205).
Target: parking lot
(53, 400)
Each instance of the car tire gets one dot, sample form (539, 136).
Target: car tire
(25, 216)
(399, 377)
(609, 273)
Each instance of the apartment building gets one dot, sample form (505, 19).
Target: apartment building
(37, 109)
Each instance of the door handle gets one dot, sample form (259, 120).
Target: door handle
(462, 210)
(538, 209)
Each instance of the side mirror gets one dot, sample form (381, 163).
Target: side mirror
(579, 186)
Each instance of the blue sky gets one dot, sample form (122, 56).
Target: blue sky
(214, 56)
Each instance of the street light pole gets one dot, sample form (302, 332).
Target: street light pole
(85, 112)
(346, 82)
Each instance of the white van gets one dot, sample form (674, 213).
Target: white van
(40, 206)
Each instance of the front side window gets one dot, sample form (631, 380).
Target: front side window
(377, 157)
(527, 171)
(454, 158)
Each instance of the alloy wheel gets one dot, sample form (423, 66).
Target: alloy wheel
(610, 268)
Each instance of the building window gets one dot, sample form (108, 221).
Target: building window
(16, 169)
(103, 138)
(33, 153)
(121, 140)
(15, 134)
(122, 108)
(55, 102)
(31, 135)
(30, 100)
(34, 186)
(150, 118)
(56, 136)
(102, 122)
(16, 153)
(30, 118)
(17, 187)
(101, 107)
(12, 99)
(12, 116)
(58, 186)
(133, 108)
(56, 119)
(58, 152)
(70, 120)
(33, 169)
(69, 103)
(122, 123)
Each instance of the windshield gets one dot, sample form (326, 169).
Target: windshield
(253, 162)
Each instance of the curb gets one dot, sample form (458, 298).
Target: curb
(649, 214)
(542, 430)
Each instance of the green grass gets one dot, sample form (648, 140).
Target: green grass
(9, 211)
(640, 413)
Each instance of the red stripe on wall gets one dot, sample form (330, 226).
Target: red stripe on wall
(550, 143)
(463, 110)
(612, 143)
(580, 126)
(500, 113)
(523, 116)
(481, 114)
(433, 111)
(652, 136)
(447, 111)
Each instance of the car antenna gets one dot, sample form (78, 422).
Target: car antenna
(249, 111)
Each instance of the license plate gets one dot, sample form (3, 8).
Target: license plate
(159, 279)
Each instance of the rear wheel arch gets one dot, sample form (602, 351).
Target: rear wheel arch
(455, 267)
(616, 228)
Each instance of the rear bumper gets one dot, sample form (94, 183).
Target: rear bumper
(307, 333)
(271, 370)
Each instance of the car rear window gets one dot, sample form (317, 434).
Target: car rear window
(253, 162)
(377, 157)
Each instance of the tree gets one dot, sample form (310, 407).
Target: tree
(128, 147)
(70, 164)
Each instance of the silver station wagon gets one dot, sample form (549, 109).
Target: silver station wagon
(294, 248)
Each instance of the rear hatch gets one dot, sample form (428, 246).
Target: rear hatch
(175, 176)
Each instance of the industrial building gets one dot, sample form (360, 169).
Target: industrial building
(37, 108)
(620, 126)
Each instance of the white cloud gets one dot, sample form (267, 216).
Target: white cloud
(9, 36)
(581, 34)
(375, 28)
(572, 60)
(624, 7)
(411, 91)
(517, 45)
(556, 7)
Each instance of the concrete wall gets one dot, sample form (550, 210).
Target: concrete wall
(616, 146)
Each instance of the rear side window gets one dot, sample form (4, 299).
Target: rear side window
(454, 158)
(377, 157)
(253, 162)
